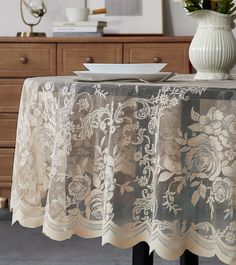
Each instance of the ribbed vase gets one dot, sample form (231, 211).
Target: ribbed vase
(213, 49)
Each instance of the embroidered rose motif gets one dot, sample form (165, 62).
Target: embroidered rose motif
(94, 205)
(203, 156)
(79, 187)
(222, 189)
(213, 122)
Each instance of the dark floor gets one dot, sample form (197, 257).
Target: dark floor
(24, 246)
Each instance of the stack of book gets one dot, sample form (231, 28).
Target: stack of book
(80, 28)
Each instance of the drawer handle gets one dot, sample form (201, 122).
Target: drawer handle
(23, 60)
(89, 60)
(157, 59)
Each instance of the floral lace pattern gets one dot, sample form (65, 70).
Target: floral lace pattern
(128, 161)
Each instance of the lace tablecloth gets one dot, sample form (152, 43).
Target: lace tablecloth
(129, 162)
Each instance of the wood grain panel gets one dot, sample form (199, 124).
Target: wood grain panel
(26, 60)
(6, 166)
(175, 54)
(8, 124)
(10, 91)
(72, 56)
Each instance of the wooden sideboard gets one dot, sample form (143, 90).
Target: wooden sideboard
(29, 57)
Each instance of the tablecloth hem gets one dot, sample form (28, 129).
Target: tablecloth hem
(109, 237)
(167, 253)
(26, 221)
(63, 235)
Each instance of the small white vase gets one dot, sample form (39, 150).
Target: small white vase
(212, 51)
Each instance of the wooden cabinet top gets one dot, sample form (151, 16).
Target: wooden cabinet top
(120, 39)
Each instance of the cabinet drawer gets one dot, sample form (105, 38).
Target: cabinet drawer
(8, 124)
(72, 56)
(175, 54)
(25, 60)
(10, 92)
(6, 166)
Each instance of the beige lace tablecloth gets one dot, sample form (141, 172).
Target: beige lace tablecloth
(129, 162)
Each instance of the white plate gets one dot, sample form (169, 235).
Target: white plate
(143, 68)
(90, 76)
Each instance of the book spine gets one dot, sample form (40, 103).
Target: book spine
(76, 29)
(76, 34)
(80, 24)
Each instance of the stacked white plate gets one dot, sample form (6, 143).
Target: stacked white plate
(102, 72)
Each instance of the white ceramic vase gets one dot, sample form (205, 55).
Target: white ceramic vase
(213, 49)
